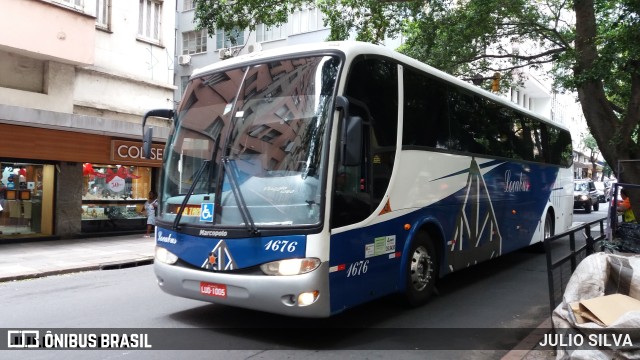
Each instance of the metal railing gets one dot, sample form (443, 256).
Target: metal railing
(559, 270)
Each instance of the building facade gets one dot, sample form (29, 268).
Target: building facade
(76, 77)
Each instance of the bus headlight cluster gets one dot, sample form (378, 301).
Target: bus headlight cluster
(165, 256)
(290, 266)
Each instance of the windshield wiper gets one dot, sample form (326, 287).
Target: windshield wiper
(231, 170)
(225, 164)
(196, 178)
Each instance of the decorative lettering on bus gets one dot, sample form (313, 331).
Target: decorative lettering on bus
(518, 185)
(213, 233)
(166, 238)
(358, 268)
(281, 246)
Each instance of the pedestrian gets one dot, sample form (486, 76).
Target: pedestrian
(624, 207)
(150, 207)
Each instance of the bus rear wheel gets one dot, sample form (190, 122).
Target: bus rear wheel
(422, 271)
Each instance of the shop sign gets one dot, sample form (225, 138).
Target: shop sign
(131, 152)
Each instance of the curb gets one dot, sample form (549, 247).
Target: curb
(104, 266)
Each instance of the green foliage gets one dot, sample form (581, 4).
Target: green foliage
(487, 36)
(590, 143)
(587, 46)
(371, 20)
(243, 14)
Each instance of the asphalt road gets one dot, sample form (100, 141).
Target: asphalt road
(509, 293)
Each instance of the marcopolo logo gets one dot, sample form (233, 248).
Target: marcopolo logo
(213, 233)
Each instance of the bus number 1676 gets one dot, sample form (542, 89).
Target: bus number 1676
(358, 268)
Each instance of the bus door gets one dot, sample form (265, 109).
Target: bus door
(361, 267)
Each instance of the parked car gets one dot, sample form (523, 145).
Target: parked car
(603, 192)
(585, 195)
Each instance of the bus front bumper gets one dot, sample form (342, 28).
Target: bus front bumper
(274, 294)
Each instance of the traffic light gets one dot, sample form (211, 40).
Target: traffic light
(495, 83)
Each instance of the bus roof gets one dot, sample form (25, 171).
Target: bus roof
(353, 48)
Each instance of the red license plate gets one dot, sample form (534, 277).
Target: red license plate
(211, 289)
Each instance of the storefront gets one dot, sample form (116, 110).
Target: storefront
(63, 184)
(26, 199)
(114, 195)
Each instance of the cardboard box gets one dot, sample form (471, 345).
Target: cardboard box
(604, 310)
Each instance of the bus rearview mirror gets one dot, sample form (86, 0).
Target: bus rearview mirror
(147, 139)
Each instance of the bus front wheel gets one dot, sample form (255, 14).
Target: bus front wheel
(422, 271)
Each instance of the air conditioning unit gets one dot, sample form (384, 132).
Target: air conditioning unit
(225, 53)
(184, 59)
(254, 47)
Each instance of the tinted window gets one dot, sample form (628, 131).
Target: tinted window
(440, 115)
(425, 111)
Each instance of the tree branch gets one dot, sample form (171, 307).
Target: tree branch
(519, 57)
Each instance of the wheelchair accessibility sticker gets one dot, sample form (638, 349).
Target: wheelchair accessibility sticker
(206, 212)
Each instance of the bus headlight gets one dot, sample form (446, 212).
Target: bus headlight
(290, 266)
(165, 256)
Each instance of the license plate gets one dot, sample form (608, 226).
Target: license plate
(211, 289)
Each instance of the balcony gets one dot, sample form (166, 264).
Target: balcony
(48, 30)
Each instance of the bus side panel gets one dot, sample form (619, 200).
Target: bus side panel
(497, 211)
(364, 263)
(499, 204)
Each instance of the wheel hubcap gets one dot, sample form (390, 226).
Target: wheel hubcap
(421, 268)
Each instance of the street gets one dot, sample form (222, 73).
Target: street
(507, 293)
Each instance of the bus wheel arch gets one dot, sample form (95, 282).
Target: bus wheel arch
(548, 229)
(422, 265)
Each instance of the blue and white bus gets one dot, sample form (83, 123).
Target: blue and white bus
(307, 180)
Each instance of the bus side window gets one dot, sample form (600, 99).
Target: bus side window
(425, 118)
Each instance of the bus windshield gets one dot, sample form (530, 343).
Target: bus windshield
(247, 149)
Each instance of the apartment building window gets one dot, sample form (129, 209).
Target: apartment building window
(149, 20)
(306, 20)
(194, 42)
(72, 3)
(103, 20)
(229, 39)
(188, 5)
(264, 33)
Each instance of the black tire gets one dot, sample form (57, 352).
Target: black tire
(422, 270)
(587, 208)
(596, 206)
(548, 230)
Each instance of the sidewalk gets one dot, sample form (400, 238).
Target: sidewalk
(44, 258)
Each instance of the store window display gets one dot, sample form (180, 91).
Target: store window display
(114, 196)
(21, 199)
